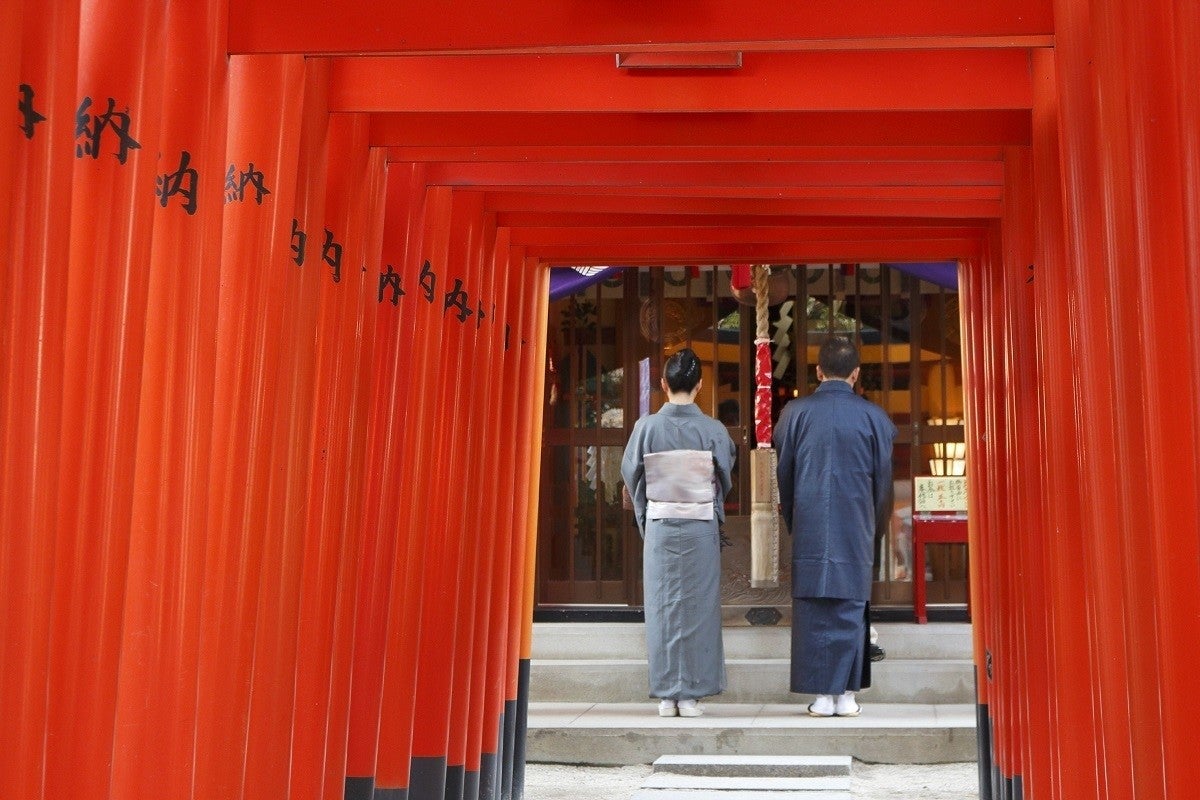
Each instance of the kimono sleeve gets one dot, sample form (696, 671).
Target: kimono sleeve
(724, 457)
(633, 473)
(884, 435)
(785, 464)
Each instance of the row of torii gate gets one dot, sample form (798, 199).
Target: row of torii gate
(272, 330)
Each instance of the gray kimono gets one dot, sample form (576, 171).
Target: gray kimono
(677, 467)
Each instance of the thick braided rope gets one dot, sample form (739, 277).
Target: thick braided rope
(761, 329)
(764, 519)
(763, 369)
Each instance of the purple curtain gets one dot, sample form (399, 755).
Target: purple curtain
(569, 280)
(942, 273)
(566, 281)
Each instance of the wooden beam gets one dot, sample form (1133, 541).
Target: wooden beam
(546, 204)
(635, 194)
(530, 26)
(570, 218)
(724, 176)
(769, 82)
(845, 128)
(535, 238)
(694, 153)
(773, 253)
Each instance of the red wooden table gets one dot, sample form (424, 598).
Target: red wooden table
(934, 528)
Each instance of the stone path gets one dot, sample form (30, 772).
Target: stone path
(868, 782)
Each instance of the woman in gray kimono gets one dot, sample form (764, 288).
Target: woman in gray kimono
(677, 466)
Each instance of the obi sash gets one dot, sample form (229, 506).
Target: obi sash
(679, 484)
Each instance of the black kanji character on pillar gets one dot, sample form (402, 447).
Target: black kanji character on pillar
(235, 185)
(332, 255)
(30, 115)
(479, 315)
(91, 128)
(428, 281)
(390, 280)
(232, 191)
(457, 298)
(299, 239)
(255, 178)
(173, 183)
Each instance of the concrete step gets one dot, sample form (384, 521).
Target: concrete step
(736, 794)
(633, 733)
(764, 680)
(627, 640)
(669, 781)
(740, 766)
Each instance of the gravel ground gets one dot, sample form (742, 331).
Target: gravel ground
(868, 782)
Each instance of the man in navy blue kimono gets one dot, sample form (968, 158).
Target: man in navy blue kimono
(835, 484)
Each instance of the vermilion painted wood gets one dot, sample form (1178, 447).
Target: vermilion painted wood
(1086, 235)
(982, 497)
(864, 128)
(155, 727)
(276, 635)
(1006, 666)
(895, 80)
(448, 553)
(32, 324)
(489, 614)
(802, 252)
(1162, 165)
(363, 26)
(382, 568)
(403, 625)
(590, 222)
(1009, 636)
(17, 447)
(509, 387)
(515, 207)
(255, 260)
(372, 199)
(581, 237)
(995, 503)
(833, 194)
(858, 174)
(480, 432)
(1033, 595)
(527, 349)
(528, 388)
(334, 471)
(731, 153)
(1070, 703)
(486, 612)
(1146, 230)
(120, 54)
(11, 18)
(538, 278)
(979, 532)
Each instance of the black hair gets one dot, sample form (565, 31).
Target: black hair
(838, 357)
(682, 370)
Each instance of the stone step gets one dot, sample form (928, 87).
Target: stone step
(595, 640)
(755, 766)
(745, 783)
(750, 681)
(633, 733)
(735, 794)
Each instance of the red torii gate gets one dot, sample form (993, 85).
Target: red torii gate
(271, 416)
